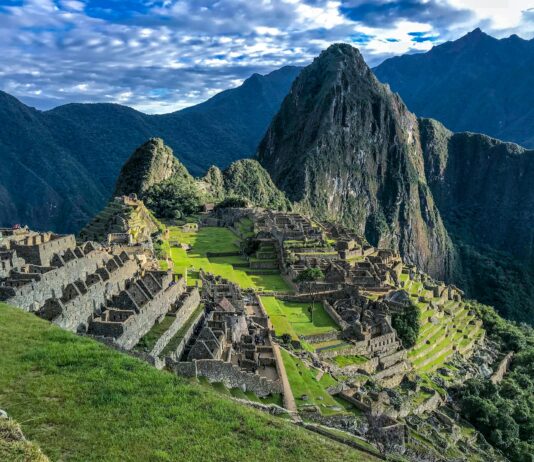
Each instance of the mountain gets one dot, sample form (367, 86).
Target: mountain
(476, 83)
(150, 164)
(59, 167)
(345, 147)
(483, 190)
(459, 205)
(157, 177)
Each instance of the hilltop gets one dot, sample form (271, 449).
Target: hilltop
(346, 148)
(60, 166)
(477, 83)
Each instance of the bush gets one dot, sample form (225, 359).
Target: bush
(504, 412)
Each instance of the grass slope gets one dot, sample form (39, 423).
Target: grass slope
(294, 318)
(217, 240)
(14, 447)
(80, 400)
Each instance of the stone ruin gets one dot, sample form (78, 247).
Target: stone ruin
(233, 345)
(86, 287)
(124, 221)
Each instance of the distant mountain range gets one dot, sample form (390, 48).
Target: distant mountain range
(477, 83)
(458, 205)
(59, 166)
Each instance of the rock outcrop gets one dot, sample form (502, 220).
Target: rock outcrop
(345, 147)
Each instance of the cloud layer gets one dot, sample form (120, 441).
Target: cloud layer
(160, 56)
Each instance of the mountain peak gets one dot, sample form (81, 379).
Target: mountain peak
(151, 163)
(337, 146)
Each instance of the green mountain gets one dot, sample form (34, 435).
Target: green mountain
(59, 167)
(155, 175)
(458, 205)
(476, 83)
(347, 148)
(150, 164)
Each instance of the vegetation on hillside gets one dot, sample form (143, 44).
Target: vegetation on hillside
(504, 412)
(13, 445)
(407, 324)
(69, 157)
(244, 183)
(497, 279)
(81, 400)
(249, 180)
(174, 198)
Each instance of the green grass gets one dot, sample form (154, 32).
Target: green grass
(82, 401)
(343, 361)
(295, 319)
(218, 240)
(149, 340)
(303, 382)
(246, 227)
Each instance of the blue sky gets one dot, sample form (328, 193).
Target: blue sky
(163, 55)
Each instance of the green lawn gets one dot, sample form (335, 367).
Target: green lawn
(343, 361)
(82, 401)
(303, 382)
(218, 240)
(295, 319)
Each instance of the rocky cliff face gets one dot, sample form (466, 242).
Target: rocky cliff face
(482, 186)
(150, 164)
(346, 148)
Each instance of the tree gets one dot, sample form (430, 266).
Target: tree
(407, 325)
(174, 198)
(309, 277)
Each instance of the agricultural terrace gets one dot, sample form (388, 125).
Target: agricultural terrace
(447, 327)
(69, 392)
(295, 319)
(309, 385)
(234, 267)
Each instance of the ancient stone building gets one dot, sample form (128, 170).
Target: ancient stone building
(234, 344)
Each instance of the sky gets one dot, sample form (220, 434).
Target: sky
(159, 56)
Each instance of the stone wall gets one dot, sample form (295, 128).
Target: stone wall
(389, 360)
(183, 314)
(502, 368)
(334, 315)
(228, 374)
(318, 338)
(136, 326)
(358, 348)
(32, 296)
(77, 312)
(41, 254)
(177, 353)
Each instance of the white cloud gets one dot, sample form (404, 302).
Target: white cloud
(183, 51)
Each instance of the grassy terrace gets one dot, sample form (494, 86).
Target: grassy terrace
(149, 340)
(217, 240)
(437, 340)
(303, 381)
(295, 319)
(179, 336)
(81, 401)
(351, 360)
